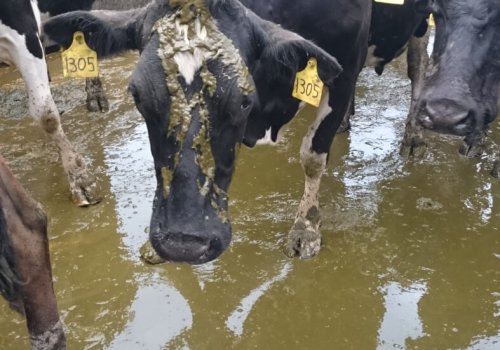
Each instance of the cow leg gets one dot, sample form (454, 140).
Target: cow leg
(304, 239)
(346, 122)
(96, 99)
(43, 109)
(496, 168)
(26, 227)
(413, 140)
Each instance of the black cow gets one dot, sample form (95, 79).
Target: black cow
(20, 46)
(391, 29)
(25, 271)
(195, 92)
(462, 90)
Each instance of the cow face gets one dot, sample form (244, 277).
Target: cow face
(196, 115)
(462, 89)
(195, 92)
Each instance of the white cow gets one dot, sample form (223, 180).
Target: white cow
(20, 46)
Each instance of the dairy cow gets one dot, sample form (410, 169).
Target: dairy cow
(205, 66)
(462, 89)
(96, 98)
(25, 271)
(20, 46)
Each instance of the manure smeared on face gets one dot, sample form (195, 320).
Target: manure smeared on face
(190, 34)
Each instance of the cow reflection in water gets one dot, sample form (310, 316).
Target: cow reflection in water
(25, 271)
(195, 92)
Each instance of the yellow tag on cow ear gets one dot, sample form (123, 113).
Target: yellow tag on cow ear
(79, 60)
(431, 21)
(391, 2)
(308, 87)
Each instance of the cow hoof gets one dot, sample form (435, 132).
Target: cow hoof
(413, 147)
(496, 169)
(103, 104)
(304, 243)
(92, 105)
(344, 126)
(149, 255)
(84, 191)
(472, 151)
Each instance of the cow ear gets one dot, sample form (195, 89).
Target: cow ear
(107, 33)
(286, 53)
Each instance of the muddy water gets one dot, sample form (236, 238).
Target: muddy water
(411, 254)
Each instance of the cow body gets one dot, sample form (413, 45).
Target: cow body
(204, 68)
(20, 46)
(391, 29)
(462, 89)
(25, 271)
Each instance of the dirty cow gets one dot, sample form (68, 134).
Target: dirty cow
(20, 46)
(462, 90)
(25, 272)
(194, 86)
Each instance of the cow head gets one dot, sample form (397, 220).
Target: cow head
(462, 89)
(193, 85)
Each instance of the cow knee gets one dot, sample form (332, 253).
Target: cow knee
(313, 163)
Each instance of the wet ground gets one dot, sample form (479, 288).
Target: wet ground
(411, 254)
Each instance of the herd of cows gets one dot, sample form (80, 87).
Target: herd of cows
(213, 74)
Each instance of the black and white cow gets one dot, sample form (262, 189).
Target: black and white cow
(20, 46)
(462, 90)
(25, 270)
(205, 66)
(96, 98)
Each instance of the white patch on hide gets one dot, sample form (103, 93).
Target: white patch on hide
(190, 61)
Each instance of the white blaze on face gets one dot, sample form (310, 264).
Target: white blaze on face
(190, 61)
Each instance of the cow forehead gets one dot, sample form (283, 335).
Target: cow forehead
(475, 8)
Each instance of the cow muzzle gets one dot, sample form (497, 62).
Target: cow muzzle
(189, 248)
(448, 116)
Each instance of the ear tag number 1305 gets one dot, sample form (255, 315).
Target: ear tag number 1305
(308, 87)
(79, 60)
(391, 2)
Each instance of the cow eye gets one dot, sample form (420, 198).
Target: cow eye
(246, 103)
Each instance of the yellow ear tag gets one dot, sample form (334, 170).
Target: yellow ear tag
(79, 60)
(431, 21)
(391, 2)
(308, 87)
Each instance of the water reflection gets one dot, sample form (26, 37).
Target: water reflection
(401, 320)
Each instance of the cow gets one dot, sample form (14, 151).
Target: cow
(461, 92)
(206, 70)
(96, 98)
(25, 271)
(20, 46)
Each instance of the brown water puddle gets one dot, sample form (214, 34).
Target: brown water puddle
(411, 255)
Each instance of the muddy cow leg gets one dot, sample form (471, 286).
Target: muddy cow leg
(304, 239)
(25, 226)
(496, 167)
(418, 60)
(96, 99)
(43, 109)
